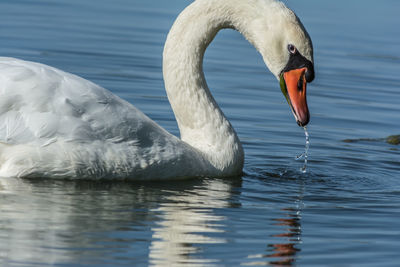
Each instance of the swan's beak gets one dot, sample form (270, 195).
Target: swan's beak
(293, 85)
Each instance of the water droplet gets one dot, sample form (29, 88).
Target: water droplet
(305, 153)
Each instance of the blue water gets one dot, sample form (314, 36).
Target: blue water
(345, 211)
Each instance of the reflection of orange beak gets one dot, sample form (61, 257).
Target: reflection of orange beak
(296, 86)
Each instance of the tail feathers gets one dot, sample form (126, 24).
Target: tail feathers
(25, 161)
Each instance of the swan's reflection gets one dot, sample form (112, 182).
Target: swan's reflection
(187, 221)
(59, 222)
(284, 251)
(164, 224)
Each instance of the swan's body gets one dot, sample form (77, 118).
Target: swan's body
(59, 125)
(55, 124)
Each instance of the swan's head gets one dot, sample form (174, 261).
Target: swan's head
(287, 51)
(293, 81)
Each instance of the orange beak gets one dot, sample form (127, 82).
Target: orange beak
(294, 87)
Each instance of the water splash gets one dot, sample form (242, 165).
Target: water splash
(305, 153)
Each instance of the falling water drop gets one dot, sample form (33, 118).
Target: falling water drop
(305, 153)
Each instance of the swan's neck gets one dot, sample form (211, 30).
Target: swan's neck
(201, 122)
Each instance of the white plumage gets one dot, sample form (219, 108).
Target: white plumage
(58, 125)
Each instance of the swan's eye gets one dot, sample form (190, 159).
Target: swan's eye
(292, 48)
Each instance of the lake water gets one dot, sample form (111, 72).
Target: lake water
(345, 211)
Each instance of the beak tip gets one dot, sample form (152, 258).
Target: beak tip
(302, 124)
(303, 121)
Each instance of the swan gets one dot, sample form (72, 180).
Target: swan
(54, 124)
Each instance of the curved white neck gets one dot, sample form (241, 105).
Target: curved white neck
(201, 122)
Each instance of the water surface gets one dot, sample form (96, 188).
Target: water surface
(343, 211)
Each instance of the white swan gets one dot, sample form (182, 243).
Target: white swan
(55, 124)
